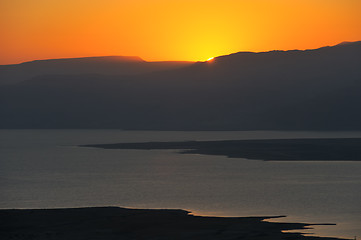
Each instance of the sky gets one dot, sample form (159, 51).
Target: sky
(160, 30)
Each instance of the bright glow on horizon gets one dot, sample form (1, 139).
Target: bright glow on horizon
(159, 30)
(210, 59)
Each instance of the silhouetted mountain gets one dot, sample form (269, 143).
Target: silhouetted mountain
(279, 90)
(111, 65)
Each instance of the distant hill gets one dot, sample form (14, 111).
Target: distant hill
(316, 89)
(110, 65)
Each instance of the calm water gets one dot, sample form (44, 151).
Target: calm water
(45, 169)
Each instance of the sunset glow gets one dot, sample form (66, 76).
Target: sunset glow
(159, 30)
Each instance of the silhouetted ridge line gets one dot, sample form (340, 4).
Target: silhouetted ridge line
(245, 53)
(107, 65)
(292, 90)
(89, 59)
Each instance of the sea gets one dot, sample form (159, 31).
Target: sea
(47, 169)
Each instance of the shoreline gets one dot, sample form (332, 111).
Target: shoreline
(321, 149)
(125, 223)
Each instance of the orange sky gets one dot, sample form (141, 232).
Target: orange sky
(170, 29)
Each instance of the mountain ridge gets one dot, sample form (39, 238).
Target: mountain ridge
(107, 65)
(294, 90)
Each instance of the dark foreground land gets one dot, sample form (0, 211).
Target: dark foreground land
(342, 149)
(120, 223)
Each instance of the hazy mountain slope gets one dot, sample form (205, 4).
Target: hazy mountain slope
(293, 90)
(112, 65)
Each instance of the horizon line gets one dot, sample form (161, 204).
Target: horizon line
(184, 61)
